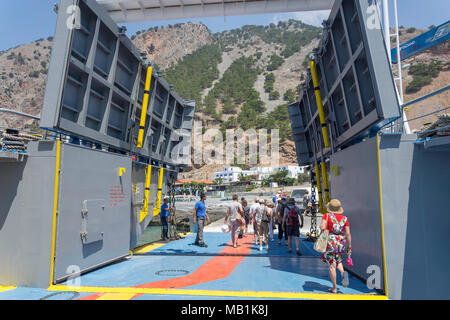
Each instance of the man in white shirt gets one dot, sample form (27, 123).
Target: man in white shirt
(236, 215)
(253, 208)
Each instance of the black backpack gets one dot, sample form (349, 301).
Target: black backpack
(293, 217)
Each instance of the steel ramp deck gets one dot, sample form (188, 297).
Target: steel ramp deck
(180, 270)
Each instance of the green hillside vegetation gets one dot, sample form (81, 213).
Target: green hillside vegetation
(292, 41)
(233, 95)
(274, 95)
(235, 87)
(289, 96)
(195, 72)
(422, 75)
(279, 119)
(269, 82)
(275, 62)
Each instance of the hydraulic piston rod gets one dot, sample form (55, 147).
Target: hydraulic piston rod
(323, 124)
(319, 188)
(148, 175)
(325, 182)
(145, 101)
(157, 209)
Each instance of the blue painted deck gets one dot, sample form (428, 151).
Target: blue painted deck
(272, 270)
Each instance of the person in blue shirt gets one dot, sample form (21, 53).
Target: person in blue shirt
(165, 212)
(200, 215)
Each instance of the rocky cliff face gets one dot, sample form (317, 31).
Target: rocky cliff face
(167, 45)
(23, 72)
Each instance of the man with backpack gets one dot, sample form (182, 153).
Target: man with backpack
(281, 206)
(292, 224)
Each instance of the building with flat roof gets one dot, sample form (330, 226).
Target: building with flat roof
(231, 174)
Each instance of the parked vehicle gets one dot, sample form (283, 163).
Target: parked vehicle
(298, 195)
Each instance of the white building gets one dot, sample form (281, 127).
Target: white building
(231, 174)
(292, 168)
(262, 172)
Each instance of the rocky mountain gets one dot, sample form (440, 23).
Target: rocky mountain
(167, 45)
(241, 78)
(23, 72)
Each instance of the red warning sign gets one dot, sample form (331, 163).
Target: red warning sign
(116, 195)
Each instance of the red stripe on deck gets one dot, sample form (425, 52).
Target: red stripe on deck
(218, 267)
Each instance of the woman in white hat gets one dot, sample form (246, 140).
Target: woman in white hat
(339, 235)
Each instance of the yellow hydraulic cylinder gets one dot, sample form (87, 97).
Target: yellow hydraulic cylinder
(157, 210)
(325, 182)
(323, 124)
(148, 81)
(319, 189)
(148, 176)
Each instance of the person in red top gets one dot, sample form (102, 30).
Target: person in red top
(339, 235)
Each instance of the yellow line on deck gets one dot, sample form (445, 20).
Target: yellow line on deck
(148, 248)
(116, 296)
(127, 292)
(6, 288)
(152, 246)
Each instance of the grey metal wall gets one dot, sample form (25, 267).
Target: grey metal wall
(415, 186)
(357, 187)
(26, 213)
(90, 180)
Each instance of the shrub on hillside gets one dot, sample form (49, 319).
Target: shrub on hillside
(34, 74)
(274, 95)
(269, 82)
(417, 83)
(422, 75)
(275, 62)
(423, 69)
(289, 96)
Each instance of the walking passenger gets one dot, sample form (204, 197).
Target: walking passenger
(164, 215)
(246, 209)
(262, 218)
(339, 235)
(252, 217)
(282, 204)
(200, 215)
(270, 210)
(236, 214)
(305, 202)
(292, 225)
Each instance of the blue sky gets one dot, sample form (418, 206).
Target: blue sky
(24, 21)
